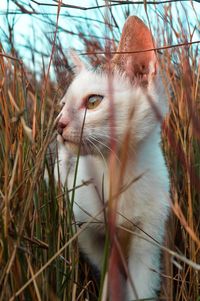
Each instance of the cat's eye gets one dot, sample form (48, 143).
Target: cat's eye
(93, 101)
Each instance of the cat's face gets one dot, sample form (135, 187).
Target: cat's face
(101, 106)
(92, 101)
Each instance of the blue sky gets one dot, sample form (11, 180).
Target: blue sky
(31, 30)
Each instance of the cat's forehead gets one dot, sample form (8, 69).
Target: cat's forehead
(88, 80)
(95, 82)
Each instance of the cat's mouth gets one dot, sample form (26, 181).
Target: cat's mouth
(84, 147)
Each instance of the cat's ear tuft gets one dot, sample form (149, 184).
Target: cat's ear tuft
(136, 37)
(78, 63)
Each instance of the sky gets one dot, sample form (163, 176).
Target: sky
(31, 30)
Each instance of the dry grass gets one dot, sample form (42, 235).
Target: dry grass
(39, 258)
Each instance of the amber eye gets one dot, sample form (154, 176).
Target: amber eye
(93, 101)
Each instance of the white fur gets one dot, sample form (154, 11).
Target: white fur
(146, 201)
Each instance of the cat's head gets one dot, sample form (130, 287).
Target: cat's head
(124, 99)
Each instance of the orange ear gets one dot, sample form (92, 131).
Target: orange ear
(135, 37)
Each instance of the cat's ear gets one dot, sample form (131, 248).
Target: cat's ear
(136, 37)
(78, 63)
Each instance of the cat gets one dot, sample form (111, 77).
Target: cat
(122, 103)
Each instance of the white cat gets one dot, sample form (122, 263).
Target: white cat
(125, 104)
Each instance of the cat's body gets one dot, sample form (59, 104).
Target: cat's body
(138, 108)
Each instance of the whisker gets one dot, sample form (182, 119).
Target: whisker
(104, 135)
(106, 146)
(98, 150)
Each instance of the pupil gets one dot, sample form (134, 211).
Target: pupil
(93, 100)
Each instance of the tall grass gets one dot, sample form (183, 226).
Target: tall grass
(39, 255)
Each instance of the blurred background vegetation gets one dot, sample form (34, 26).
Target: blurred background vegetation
(39, 258)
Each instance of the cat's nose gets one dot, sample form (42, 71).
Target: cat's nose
(60, 127)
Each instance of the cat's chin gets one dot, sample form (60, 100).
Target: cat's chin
(73, 147)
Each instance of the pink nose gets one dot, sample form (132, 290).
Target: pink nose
(60, 127)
